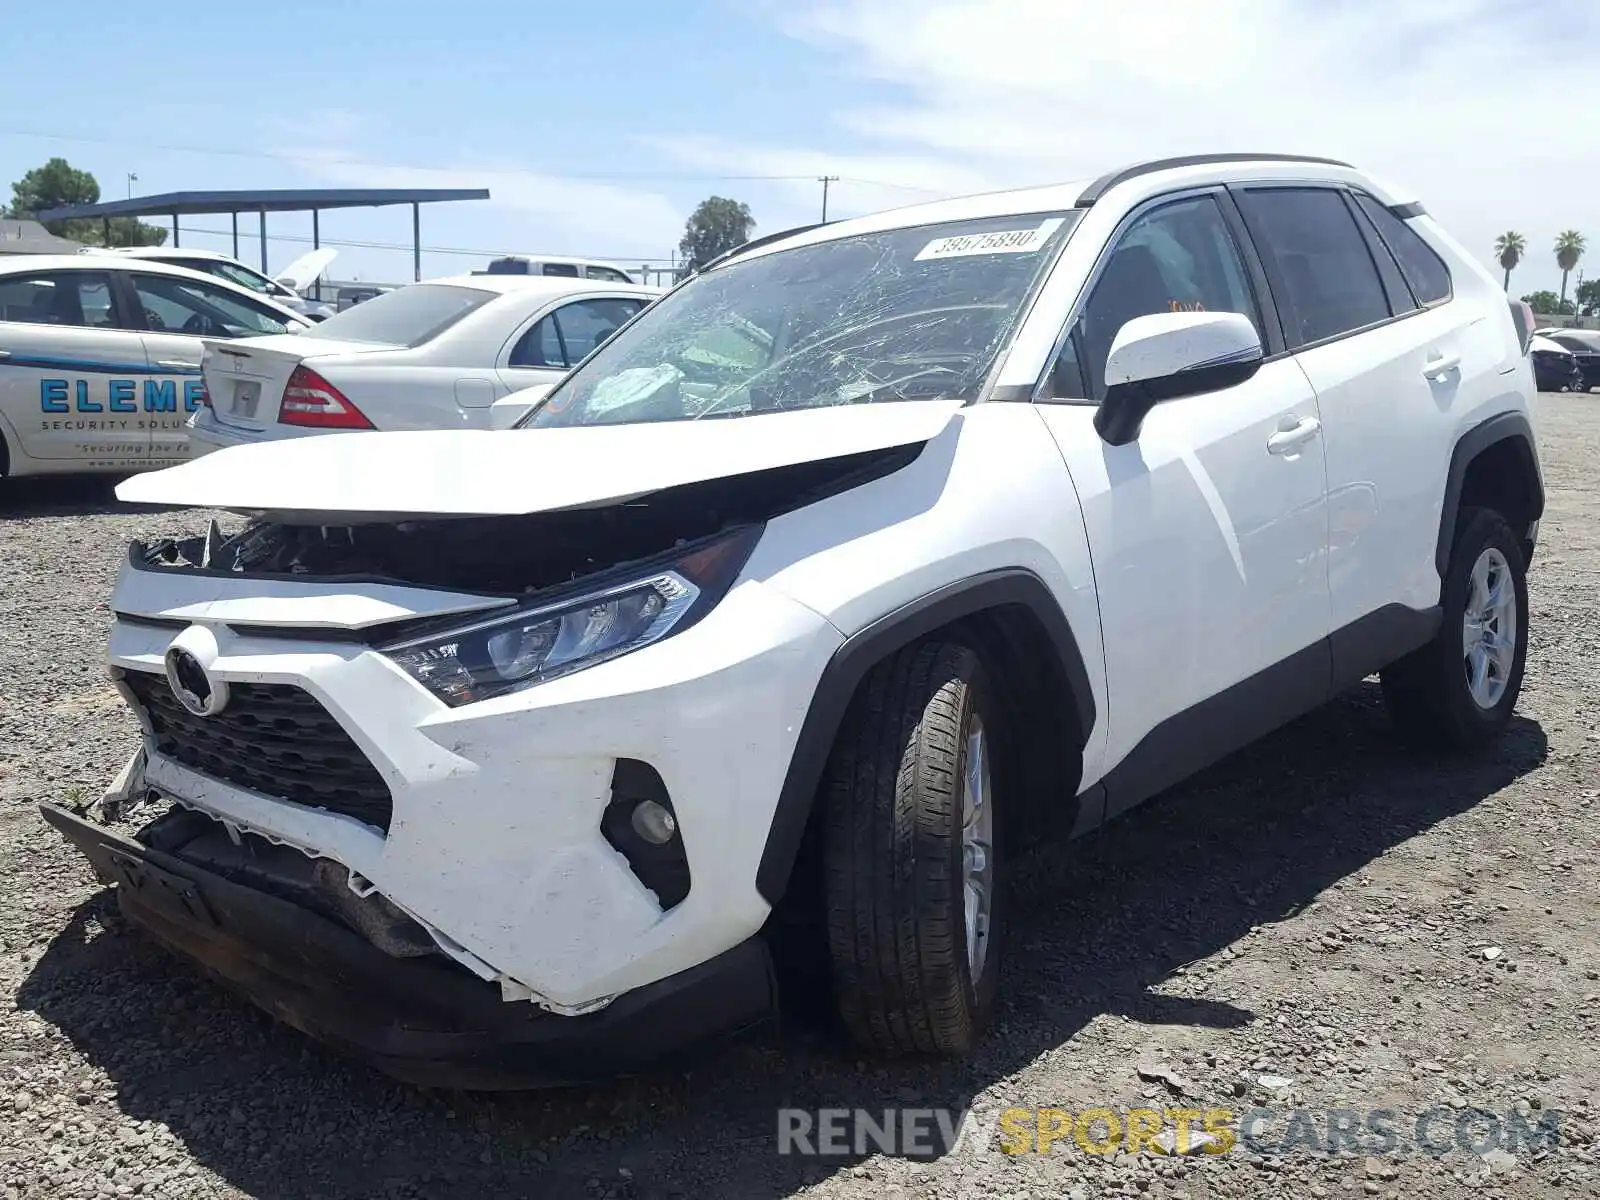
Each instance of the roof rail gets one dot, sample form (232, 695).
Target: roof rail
(1105, 183)
(753, 243)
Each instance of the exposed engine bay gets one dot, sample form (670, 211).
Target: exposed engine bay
(515, 555)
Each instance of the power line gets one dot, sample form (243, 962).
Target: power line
(597, 176)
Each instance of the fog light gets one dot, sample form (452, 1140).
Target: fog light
(654, 823)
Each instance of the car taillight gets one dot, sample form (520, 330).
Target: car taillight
(310, 400)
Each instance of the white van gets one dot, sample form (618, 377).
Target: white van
(570, 268)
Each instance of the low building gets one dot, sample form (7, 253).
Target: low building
(30, 237)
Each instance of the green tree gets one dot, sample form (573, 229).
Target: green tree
(1509, 248)
(1569, 249)
(1588, 295)
(59, 183)
(716, 226)
(1547, 304)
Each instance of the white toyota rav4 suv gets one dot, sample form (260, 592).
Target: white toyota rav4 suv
(860, 559)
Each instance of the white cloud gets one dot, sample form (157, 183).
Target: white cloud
(1461, 100)
(557, 211)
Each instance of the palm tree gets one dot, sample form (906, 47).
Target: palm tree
(1509, 248)
(1569, 249)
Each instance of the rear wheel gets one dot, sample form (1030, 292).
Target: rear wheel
(1459, 690)
(911, 868)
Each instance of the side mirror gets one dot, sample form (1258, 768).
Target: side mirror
(1165, 356)
(508, 410)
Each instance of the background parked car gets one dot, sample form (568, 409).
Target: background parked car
(568, 268)
(1585, 347)
(1555, 368)
(286, 289)
(433, 355)
(100, 358)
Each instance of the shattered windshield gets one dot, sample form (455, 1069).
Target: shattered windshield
(905, 314)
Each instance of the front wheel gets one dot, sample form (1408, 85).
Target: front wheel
(911, 854)
(1459, 689)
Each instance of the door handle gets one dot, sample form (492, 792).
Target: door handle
(4, 354)
(1441, 364)
(1287, 441)
(177, 364)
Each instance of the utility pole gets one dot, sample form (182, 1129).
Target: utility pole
(825, 180)
(133, 178)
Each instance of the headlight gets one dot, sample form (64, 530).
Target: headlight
(538, 642)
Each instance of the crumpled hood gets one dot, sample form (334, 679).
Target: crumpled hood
(352, 477)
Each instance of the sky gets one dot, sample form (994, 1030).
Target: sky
(598, 127)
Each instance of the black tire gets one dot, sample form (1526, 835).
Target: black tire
(1427, 692)
(893, 855)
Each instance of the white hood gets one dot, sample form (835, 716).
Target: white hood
(303, 271)
(352, 477)
(1543, 343)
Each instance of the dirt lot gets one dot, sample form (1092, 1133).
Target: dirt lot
(1378, 929)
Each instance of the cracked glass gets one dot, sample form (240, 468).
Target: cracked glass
(915, 313)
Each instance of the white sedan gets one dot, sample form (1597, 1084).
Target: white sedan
(433, 355)
(100, 358)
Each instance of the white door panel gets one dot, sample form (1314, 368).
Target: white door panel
(517, 378)
(172, 395)
(1209, 549)
(1389, 416)
(74, 395)
(71, 374)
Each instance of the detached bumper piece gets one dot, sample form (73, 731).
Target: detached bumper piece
(422, 1020)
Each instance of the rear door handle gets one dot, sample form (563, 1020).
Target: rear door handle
(177, 364)
(1441, 364)
(1287, 441)
(4, 354)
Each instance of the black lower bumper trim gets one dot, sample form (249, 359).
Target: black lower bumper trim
(425, 1021)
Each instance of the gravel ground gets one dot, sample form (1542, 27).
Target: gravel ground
(1324, 921)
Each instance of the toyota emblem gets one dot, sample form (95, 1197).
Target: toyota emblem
(192, 684)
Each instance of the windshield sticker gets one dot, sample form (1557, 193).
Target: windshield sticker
(1002, 241)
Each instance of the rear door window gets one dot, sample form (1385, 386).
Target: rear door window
(573, 332)
(174, 305)
(1326, 282)
(540, 346)
(587, 324)
(1424, 270)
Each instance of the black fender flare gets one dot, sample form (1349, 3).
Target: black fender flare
(867, 647)
(1506, 426)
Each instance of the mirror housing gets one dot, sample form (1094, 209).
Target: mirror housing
(508, 410)
(1165, 356)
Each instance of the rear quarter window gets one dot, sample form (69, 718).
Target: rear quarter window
(1424, 271)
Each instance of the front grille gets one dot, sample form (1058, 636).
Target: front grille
(272, 738)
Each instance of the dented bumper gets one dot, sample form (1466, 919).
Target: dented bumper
(421, 1020)
(485, 824)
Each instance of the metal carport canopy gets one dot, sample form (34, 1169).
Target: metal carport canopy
(312, 200)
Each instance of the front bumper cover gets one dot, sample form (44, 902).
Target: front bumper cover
(422, 1021)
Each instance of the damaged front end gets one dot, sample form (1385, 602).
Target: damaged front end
(376, 839)
(286, 932)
